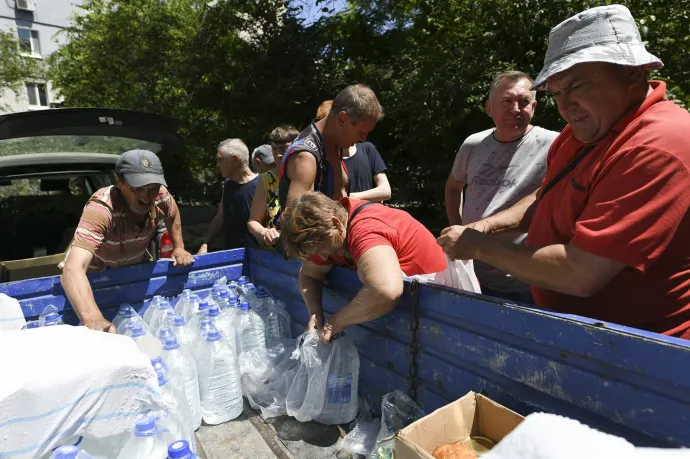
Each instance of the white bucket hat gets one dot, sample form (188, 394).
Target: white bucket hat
(601, 34)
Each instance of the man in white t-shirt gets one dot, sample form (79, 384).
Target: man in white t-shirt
(499, 167)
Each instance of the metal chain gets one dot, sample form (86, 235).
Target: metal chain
(414, 328)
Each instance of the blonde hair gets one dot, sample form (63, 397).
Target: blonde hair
(324, 109)
(307, 222)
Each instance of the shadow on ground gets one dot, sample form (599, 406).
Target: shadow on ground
(290, 429)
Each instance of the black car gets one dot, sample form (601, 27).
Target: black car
(51, 162)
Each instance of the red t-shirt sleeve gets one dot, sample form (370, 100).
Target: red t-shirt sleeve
(635, 208)
(317, 260)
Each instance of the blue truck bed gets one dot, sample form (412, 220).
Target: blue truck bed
(441, 343)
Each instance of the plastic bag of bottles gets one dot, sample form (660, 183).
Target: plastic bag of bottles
(362, 437)
(397, 412)
(267, 375)
(325, 386)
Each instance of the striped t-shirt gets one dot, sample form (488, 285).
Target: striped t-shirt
(110, 232)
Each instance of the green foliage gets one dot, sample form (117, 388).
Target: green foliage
(239, 68)
(15, 68)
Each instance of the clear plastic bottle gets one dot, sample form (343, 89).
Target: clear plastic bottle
(162, 312)
(180, 450)
(50, 313)
(199, 338)
(277, 322)
(147, 441)
(249, 329)
(69, 452)
(185, 305)
(31, 324)
(225, 323)
(219, 380)
(155, 301)
(175, 418)
(199, 314)
(223, 301)
(184, 333)
(182, 370)
(125, 315)
(52, 319)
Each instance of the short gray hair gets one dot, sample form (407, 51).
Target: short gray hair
(235, 147)
(358, 101)
(510, 75)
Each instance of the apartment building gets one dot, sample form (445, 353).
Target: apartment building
(36, 23)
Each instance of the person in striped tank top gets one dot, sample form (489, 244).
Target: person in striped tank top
(115, 230)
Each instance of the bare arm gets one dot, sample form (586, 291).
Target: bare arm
(311, 277)
(454, 200)
(257, 217)
(213, 229)
(301, 170)
(381, 193)
(379, 270)
(174, 224)
(78, 290)
(514, 220)
(561, 268)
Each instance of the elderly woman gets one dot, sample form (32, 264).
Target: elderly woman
(265, 205)
(378, 241)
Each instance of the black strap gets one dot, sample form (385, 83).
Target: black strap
(566, 170)
(356, 212)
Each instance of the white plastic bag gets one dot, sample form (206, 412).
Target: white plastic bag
(326, 383)
(362, 436)
(458, 274)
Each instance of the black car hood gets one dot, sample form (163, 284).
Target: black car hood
(91, 122)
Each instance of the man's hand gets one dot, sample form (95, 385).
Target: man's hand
(314, 323)
(482, 226)
(101, 325)
(271, 236)
(457, 242)
(329, 331)
(203, 250)
(181, 257)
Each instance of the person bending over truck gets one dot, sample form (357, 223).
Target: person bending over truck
(115, 229)
(609, 229)
(381, 243)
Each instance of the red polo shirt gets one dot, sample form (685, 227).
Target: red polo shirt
(375, 225)
(627, 201)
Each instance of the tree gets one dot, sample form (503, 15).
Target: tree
(15, 68)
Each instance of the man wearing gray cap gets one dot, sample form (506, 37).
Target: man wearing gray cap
(262, 159)
(609, 229)
(115, 229)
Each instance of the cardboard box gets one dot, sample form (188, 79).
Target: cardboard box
(472, 415)
(30, 268)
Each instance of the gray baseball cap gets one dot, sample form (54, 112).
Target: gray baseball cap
(601, 34)
(140, 168)
(264, 153)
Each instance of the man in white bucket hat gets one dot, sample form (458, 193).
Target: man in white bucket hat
(609, 229)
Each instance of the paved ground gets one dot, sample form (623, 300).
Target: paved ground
(252, 437)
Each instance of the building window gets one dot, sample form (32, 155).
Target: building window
(38, 94)
(28, 42)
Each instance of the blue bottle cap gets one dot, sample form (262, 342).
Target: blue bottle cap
(33, 324)
(52, 317)
(242, 281)
(213, 311)
(244, 306)
(232, 299)
(217, 288)
(136, 329)
(206, 323)
(213, 335)
(145, 426)
(203, 305)
(224, 294)
(170, 342)
(178, 321)
(250, 286)
(180, 450)
(65, 452)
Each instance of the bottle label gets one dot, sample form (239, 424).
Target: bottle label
(339, 388)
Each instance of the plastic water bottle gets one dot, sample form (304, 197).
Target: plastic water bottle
(185, 306)
(182, 370)
(184, 333)
(226, 323)
(180, 450)
(69, 452)
(162, 311)
(49, 313)
(155, 301)
(31, 324)
(219, 380)
(277, 321)
(176, 418)
(125, 315)
(199, 338)
(249, 329)
(199, 314)
(52, 319)
(147, 441)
